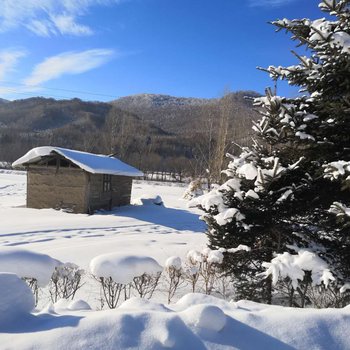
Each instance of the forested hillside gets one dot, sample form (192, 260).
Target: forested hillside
(153, 132)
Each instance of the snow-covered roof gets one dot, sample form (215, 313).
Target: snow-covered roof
(92, 163)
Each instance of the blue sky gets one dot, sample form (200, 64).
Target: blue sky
(105, 49)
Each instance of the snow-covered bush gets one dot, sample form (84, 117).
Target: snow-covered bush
(205, 267)
(173, 275)
(35, 268)
(194, 190)
(65, 281)
(119, 273)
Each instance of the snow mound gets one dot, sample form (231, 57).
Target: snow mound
(173, 262)
(16, 298)
(79, 304)
(146, 200)
(123, 268)
(208, 317)
(192, 299)
(137, 303)
(27, 264)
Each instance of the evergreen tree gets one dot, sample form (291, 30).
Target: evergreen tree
(290, 190)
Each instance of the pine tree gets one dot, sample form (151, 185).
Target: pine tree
(290, 190)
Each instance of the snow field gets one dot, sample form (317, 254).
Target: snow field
(166, 234)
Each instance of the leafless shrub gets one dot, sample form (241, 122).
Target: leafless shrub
(111, 292)
(146, 284)
(66, 280)
(174, 276)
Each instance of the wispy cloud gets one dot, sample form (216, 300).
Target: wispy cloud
(68, 63)
(8, 60)
(48, 17)
(266, 3)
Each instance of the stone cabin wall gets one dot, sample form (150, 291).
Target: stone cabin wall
(58, 188)
(119, 194)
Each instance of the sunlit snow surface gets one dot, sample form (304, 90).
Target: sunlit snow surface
(195, 322)
(158, 231)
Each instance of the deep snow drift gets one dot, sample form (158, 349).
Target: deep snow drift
(195, 322)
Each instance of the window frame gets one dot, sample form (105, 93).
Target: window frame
(106, 183)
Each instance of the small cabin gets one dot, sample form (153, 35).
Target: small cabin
(75, 181)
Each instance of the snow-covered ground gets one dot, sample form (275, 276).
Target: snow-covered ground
(194, 322)
(161, 231)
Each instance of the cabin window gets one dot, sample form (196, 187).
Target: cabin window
(107, 183)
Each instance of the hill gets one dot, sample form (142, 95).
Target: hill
(89, 126)
(152, 132)
(181, 114)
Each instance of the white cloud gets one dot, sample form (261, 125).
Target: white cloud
(48, 17)
(66, 25)
(19, 90)
(68, 63)
(8, 60)
(266, 3)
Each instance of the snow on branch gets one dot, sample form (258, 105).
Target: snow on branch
(294, 267)
(339, 209)
(337, 170)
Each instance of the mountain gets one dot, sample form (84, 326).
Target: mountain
(88, 126)
(158, 101)
(179, 114)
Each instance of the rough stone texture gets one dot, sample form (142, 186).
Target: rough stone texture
(58, 188)
(74, 189)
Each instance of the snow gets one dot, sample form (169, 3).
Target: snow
(77, 305)
(252, 194)
(248, 171)
(173, 262)
(161, 232)
(239, 248)
(294, 266)
(284, 196)
(215, 257)
(336, 170)
(227, 215)
(304, 136)
(92, 163)
(209, 200)
(16, 298)
(339, 209)
(195, 322)
(207, 317)
(342, 40)
(27, 264)
(123, 268)
(148, 200)
(344, 288)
